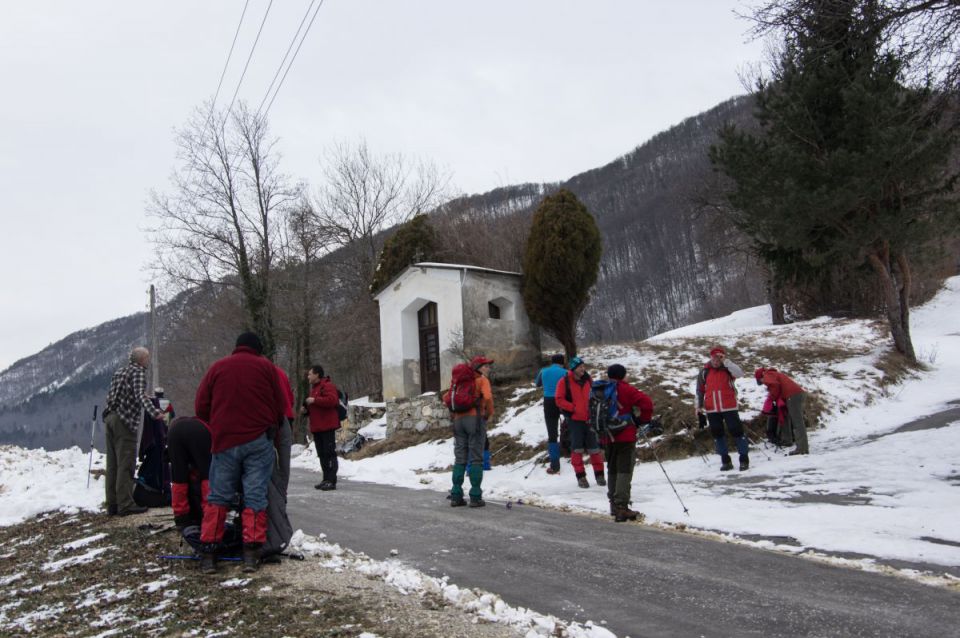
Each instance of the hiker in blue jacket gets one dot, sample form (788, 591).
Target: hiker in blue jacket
(547, 378)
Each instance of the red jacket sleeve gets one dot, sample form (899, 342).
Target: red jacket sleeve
(629, 398)
(561, 397)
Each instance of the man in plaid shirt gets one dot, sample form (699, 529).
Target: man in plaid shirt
(125, 404)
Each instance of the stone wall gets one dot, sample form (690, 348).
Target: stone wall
(424, 412)
(357, 417)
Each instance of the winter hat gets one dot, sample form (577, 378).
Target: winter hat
(758, 375)
(478, 361)
(717, 350)
(574, 362)
(250, 340)
(617, 371)
(158, 391)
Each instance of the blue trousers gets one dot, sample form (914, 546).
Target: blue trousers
(248, 465)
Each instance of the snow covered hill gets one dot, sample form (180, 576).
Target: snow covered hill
(881, 482)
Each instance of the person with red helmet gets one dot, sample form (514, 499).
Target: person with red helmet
(780, 387)
(717, 399)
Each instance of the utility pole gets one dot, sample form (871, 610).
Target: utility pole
(154, 350)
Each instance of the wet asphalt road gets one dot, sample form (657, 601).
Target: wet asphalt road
(636, 580)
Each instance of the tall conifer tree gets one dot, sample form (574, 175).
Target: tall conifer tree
(849, 169)
(560, 264)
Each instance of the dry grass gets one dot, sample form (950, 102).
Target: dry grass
(398, 441)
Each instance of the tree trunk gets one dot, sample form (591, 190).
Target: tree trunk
(896, 298)
(775, 299)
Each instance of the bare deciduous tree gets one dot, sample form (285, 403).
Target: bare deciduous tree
(222, 221)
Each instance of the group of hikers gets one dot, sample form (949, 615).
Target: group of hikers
(234, 455)
(603, 419)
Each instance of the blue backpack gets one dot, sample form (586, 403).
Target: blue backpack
(604, 411)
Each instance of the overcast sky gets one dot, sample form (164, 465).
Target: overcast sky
(496, 92)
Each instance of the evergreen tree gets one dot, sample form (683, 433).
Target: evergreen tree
(849, 169)
(560, 265)
(414, 241)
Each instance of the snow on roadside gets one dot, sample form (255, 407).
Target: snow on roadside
(485, 605)
(36, 481)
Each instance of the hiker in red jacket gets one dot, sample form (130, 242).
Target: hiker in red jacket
(321, 405)
(573, 399)
(621, 455)
(717, 398)
(780, 387)
(241, 400)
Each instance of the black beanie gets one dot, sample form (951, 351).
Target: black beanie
(250, 340)
(617, 371)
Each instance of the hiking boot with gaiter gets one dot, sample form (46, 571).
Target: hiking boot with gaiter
(744, 462)
(457, 501)
(727, 464)
(208, 563)
(251, 557)
(582, 481)
(477, 502)
(625, 514)
(601, 481)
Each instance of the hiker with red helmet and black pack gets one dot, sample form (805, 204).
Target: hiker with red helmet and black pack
(717, 399)
(573, 399)
(470, 400)
(636, 408)
(241, 400)
(780, 387)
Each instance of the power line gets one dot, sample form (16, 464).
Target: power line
(292, 60)
(223, 73)
(293, 41)
(249, 57)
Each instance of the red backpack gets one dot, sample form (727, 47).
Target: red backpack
(462, 395)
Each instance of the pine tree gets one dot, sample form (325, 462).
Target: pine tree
(560, 265)
(414, 241)
(849, 168)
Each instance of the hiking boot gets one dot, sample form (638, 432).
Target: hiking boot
(477, 502)
(457, 502)
(136, 509)
(601, 480)
(326, 486)
(582, 481)
(251, 558)
(553, 470)
(727, 464)
(208, 563)
(112, 510)
(613, 508)
(625, 514)
(744, 462)
(796, 452)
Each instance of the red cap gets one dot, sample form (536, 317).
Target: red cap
(758, 374)
(478, 361)
(717, 350)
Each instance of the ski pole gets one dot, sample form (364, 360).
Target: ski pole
(93, 427)
(652, 449)
(536, 462)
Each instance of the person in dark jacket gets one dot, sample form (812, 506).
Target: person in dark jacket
(637, 407)
(321, 406)
(547, 378)
(573, 399)
(780, 387)
(717, 399)
(188, 446)
(127, 399)
(241, 400)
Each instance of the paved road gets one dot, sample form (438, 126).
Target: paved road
(641, 581)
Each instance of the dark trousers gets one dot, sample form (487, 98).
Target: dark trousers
(620, 461)
(188, 445)
(326, 444)
(551, 415)
(731, 419)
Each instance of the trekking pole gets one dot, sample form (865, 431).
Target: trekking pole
(757, 445)
(696, 446)
(500, 450)
(536, 462)
(524, 464)
(656, 456)
(93, 427)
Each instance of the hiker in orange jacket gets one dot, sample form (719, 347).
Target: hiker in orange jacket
(781, 387)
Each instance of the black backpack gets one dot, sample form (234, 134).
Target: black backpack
(604, 411)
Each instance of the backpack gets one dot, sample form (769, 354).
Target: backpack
(604, 411)
(462, 395)
(342, 402)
